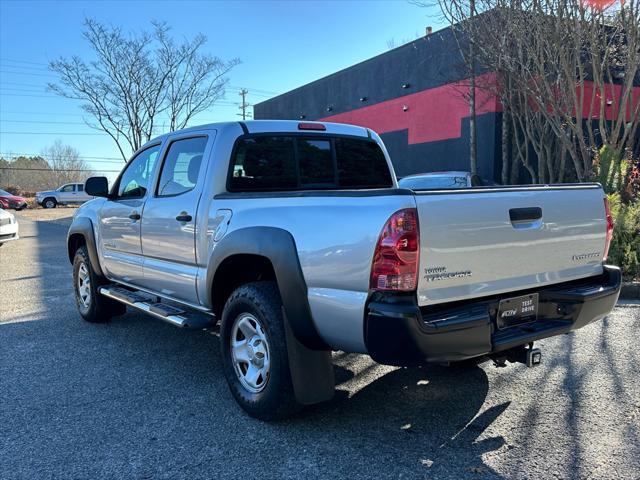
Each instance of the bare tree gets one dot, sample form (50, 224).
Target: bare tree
(66, 164)
(56, 165)
(136, 81)
(566, 74)
(467, 53)
(25, 175)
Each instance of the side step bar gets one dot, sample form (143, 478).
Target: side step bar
(146, 303)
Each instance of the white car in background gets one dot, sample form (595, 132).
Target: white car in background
(68, 194)
(8, 227)
(442, 180)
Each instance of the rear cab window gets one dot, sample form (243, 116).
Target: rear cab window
(307, 162)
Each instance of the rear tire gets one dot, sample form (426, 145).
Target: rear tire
(254, 352)
(92, 306)
(49, 202)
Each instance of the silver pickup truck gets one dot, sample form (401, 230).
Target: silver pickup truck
(296, 238)
(69, 194)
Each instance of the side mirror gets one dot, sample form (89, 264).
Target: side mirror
(97, 186)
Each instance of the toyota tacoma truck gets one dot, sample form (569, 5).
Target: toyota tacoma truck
(296, 239)
(69, 194)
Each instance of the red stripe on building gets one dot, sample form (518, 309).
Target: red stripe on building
(613, 108)
(437, 113)
(431, 115)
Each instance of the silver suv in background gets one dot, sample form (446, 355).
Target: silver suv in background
(68, 194)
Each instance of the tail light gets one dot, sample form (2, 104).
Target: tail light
(609, 237)
(395, 260)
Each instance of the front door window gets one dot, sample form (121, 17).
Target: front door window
(134, 181)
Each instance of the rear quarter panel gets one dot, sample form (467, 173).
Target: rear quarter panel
(335, 238)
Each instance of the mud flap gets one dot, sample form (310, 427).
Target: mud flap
(311, 370)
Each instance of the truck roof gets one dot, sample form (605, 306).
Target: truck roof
(280, 126)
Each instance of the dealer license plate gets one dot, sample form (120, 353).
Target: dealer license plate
(517, 311)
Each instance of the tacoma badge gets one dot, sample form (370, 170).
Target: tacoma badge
(440, 273)
(585, 256)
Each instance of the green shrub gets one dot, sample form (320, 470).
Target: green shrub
(625, 247)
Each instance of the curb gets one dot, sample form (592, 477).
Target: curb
(630, 290)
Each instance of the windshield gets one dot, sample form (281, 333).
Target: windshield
(4, 193)
(433, 182)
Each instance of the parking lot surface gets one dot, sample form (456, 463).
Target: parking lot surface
(137, 398)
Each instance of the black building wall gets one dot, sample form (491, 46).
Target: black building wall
(427, 63)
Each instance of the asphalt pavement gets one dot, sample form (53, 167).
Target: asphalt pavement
(137, 398)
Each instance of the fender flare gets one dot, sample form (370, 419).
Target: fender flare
(84, 226)
(279, 247)
(309, 356)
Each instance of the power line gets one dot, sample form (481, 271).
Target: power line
(39, 155)
(30, 73)
(86, 159)
(269, 92)
(225, 103)
(80, 115)
(23, 84)
(49, 133)
(59, 169)
(157, 128)
(21, 67)
(5, 59)
(121, 161)
(39, 96)
(41, 122)
(39, 88)
(45, 113)
(30, 90)
(16, 70)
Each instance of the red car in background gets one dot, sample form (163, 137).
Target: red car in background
(7, 201)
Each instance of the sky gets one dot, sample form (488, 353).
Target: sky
(281, 44)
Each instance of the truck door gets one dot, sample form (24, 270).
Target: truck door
(120, 218)
(169, 220)
(67, 194)
(82, 196)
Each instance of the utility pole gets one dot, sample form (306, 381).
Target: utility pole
(244, 105)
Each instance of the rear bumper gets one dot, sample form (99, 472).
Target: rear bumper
(401, 333)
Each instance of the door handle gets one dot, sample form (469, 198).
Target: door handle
(527, 214)
(183, 217)
(134, 216)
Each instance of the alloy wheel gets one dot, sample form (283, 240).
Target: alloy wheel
(84, 285)
(250, 352)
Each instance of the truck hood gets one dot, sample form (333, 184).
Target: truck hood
(46, 192)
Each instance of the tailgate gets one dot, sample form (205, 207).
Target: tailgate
(486, 241)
